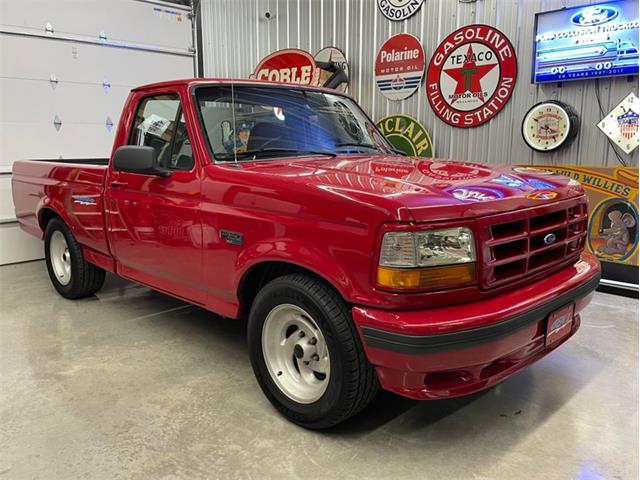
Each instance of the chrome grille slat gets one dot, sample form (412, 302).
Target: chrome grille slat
(514, 244)
(514, 238)
(548, 229)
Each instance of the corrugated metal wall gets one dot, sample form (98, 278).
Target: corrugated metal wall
(237, 34)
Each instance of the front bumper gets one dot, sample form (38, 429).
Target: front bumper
(461, 349)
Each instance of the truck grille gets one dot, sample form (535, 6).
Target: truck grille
(519, 244)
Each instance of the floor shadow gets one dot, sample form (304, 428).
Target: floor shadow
(552, 385)
(387, 406)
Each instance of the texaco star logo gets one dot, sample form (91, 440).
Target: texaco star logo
(471, 76)
(468, 78)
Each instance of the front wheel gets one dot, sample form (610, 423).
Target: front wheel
(71, 275)
(306, 354)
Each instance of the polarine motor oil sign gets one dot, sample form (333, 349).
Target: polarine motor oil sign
(399, 66)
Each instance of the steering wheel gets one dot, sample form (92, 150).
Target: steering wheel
(346, 119)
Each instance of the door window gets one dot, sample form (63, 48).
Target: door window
(181, 152)
(160, 124)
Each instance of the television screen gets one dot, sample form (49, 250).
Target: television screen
(597, 40)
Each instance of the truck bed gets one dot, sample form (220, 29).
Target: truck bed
(74, 186)
(74, 161)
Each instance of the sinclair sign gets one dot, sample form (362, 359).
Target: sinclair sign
(471, 76)
(406, 134)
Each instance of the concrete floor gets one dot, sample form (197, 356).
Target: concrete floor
(134, 384)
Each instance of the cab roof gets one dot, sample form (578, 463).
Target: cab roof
(191, 82)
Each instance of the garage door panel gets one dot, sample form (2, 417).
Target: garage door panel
(29, 102)
(41, 140)
(91, 64)
(6, 202)
(72, 103)
(130, 21)
(18, 246)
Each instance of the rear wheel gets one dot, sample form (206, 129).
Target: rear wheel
(306, 354)
(71, 275)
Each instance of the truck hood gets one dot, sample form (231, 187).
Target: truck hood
(426, 189)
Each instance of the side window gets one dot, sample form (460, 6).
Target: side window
(160, 124)
(181, 152)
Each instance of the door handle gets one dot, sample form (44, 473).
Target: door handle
(117, 184)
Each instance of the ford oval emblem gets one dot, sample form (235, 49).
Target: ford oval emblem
(594, 16)
(549, 238)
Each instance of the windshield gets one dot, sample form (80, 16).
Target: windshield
(261, 122)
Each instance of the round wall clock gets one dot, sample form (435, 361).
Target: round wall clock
(549, 125)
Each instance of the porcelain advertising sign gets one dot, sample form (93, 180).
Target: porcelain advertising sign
(398, 10)
(400, 66)
(471, 76)
(407, 134)
(288, 66)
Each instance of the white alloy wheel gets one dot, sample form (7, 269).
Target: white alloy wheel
(295, 353)
(60, 257)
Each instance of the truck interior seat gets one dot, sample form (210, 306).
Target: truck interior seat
(270, 135)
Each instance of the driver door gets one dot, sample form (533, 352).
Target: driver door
(154, 222)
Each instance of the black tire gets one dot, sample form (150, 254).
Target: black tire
(86, 279)
(352, 381)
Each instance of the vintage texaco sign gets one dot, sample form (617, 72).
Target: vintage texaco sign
(471, 76)
(621, 124)
(398, 10)
(400, 66)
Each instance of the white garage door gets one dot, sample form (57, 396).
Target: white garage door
(66, 68)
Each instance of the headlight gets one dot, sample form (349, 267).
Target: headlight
(428, 248)
(427, 259)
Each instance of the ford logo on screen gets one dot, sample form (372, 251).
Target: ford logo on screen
(594, 16)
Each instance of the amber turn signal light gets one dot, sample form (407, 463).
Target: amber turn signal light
(420, 278)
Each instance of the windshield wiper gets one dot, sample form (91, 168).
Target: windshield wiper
(354, 144)
(399, 152)
(370, 145)
(260, 152)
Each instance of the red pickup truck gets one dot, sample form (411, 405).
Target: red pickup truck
(356, 267)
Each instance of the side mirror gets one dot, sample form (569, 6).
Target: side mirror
(139, 159)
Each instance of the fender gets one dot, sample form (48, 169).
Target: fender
(301, 254)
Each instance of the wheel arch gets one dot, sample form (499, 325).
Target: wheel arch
(45, 215)
(261, 273)
(49, 208)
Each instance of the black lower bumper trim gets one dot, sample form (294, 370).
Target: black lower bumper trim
(443, 342)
